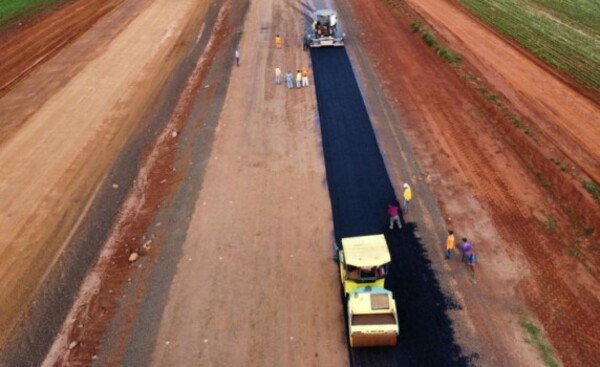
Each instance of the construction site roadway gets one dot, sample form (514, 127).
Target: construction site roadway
(360, 190)
(127, 131)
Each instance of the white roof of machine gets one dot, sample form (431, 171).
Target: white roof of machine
(366, 251)
(325, 12)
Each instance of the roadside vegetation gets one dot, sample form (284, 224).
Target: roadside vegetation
(592, 189)
(535, 338)
(13, 11)
(565, 34)
(446, 54)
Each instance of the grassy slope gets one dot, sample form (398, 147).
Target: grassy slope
(565, 34)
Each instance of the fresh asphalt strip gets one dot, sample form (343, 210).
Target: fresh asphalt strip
(360, 190)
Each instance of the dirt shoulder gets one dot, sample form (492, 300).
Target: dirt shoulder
(74, 119)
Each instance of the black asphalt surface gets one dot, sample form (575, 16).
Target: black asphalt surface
(360, 190)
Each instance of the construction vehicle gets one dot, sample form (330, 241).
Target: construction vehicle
(363, 262)
(372, 315)
(372, 318)
(325, 30)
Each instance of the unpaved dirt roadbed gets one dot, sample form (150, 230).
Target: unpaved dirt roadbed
(47, 175)
(237, 209)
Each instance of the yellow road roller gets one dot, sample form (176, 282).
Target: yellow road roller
(372, 315)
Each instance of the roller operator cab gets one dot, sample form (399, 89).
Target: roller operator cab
(363, 262)
(325, 30)
(372, 318)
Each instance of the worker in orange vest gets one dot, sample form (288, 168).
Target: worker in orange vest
(278, 41)
(449, 244)
(304, 77)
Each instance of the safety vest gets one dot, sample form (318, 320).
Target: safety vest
(407, 194)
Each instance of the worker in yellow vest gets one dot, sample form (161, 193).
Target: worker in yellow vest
(407, 197)
(277, 76)
(298, 79)
(278, 41)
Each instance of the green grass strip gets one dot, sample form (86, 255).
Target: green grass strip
(593, 189)
(535, 337)
(565, 34)
(12, 11)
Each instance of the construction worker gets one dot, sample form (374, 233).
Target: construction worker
(394, 213)
(277, 76)
(298, 79)
(289, 80)
(407, 197)
(304, 77)
(278, 41)
(467, 250)
(306, 44)
(449, 244)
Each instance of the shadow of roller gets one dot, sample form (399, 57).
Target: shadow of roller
(360, 190)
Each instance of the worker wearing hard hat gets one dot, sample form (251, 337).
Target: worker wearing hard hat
(407, 197)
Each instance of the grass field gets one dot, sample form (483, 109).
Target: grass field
(17, 10)
(563, 33)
